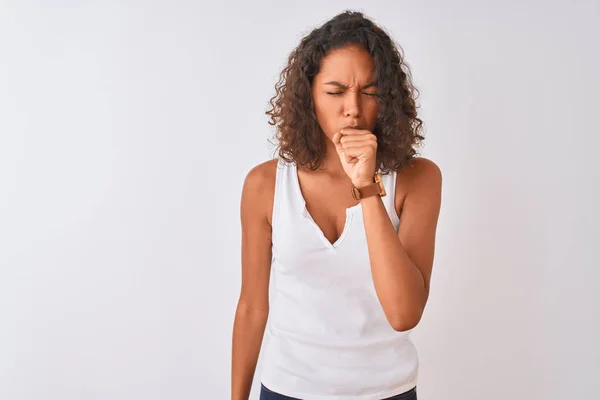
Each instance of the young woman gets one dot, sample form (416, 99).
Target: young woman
(343, 222)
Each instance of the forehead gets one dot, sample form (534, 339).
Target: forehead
(351, 63)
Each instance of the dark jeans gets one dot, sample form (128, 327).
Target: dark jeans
(266, 394)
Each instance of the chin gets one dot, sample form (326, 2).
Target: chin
(329, 135)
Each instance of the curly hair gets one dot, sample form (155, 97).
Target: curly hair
(299, 136)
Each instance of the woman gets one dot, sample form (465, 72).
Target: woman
(344, 222)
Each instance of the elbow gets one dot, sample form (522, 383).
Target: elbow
(405, 323)
(402, 327)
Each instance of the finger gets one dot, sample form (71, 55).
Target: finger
(367, 138)
(352, 131)
(345, 156)
(359, 152)
(357, 138)
(359, 143)
(336, 139)
(368, 148)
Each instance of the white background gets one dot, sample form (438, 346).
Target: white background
(127, 128)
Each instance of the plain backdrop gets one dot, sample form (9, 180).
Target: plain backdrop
(128, 127)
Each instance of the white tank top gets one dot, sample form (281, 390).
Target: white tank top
(327, 335)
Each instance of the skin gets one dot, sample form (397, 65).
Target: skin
(401, 261)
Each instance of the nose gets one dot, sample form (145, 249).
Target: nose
(352, 106)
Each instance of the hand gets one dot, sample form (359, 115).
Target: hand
(358, 151)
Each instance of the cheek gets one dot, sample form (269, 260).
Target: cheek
(371, 107)
(326, 112)
(370, 111)
(326, 105)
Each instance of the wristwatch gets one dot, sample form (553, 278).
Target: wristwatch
(375, 188)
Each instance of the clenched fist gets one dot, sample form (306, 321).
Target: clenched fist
(357, 149)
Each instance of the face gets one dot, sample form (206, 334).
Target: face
(344, 92)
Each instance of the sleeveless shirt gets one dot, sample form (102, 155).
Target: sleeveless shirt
(327, 335)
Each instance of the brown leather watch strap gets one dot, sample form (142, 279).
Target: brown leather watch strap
(376, 188)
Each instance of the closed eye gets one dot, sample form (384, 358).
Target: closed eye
(340, 93)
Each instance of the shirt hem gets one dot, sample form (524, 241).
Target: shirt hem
(372, 396)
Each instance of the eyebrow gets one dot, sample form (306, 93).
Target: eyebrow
(335, 83)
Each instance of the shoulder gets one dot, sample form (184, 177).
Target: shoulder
(421, 171)
(262, 175)
(420, 175)
(259, 189)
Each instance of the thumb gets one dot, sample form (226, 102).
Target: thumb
(340, 148)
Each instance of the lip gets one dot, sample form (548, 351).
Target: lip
(352, 127)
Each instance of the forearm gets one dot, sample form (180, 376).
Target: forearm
(248, 332)
(398, 282)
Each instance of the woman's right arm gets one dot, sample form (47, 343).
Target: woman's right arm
(253, 304)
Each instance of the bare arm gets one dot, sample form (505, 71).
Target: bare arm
(401, 263)
(253, 305)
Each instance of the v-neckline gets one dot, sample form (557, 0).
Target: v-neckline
(349, 215)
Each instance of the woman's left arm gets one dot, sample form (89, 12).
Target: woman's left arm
(401, 262)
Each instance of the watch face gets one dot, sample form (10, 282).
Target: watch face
(379, 182)
(382, 192)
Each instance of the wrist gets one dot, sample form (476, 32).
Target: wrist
(362, 189)
(363, 183)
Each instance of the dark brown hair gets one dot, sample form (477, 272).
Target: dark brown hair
(398, 129)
